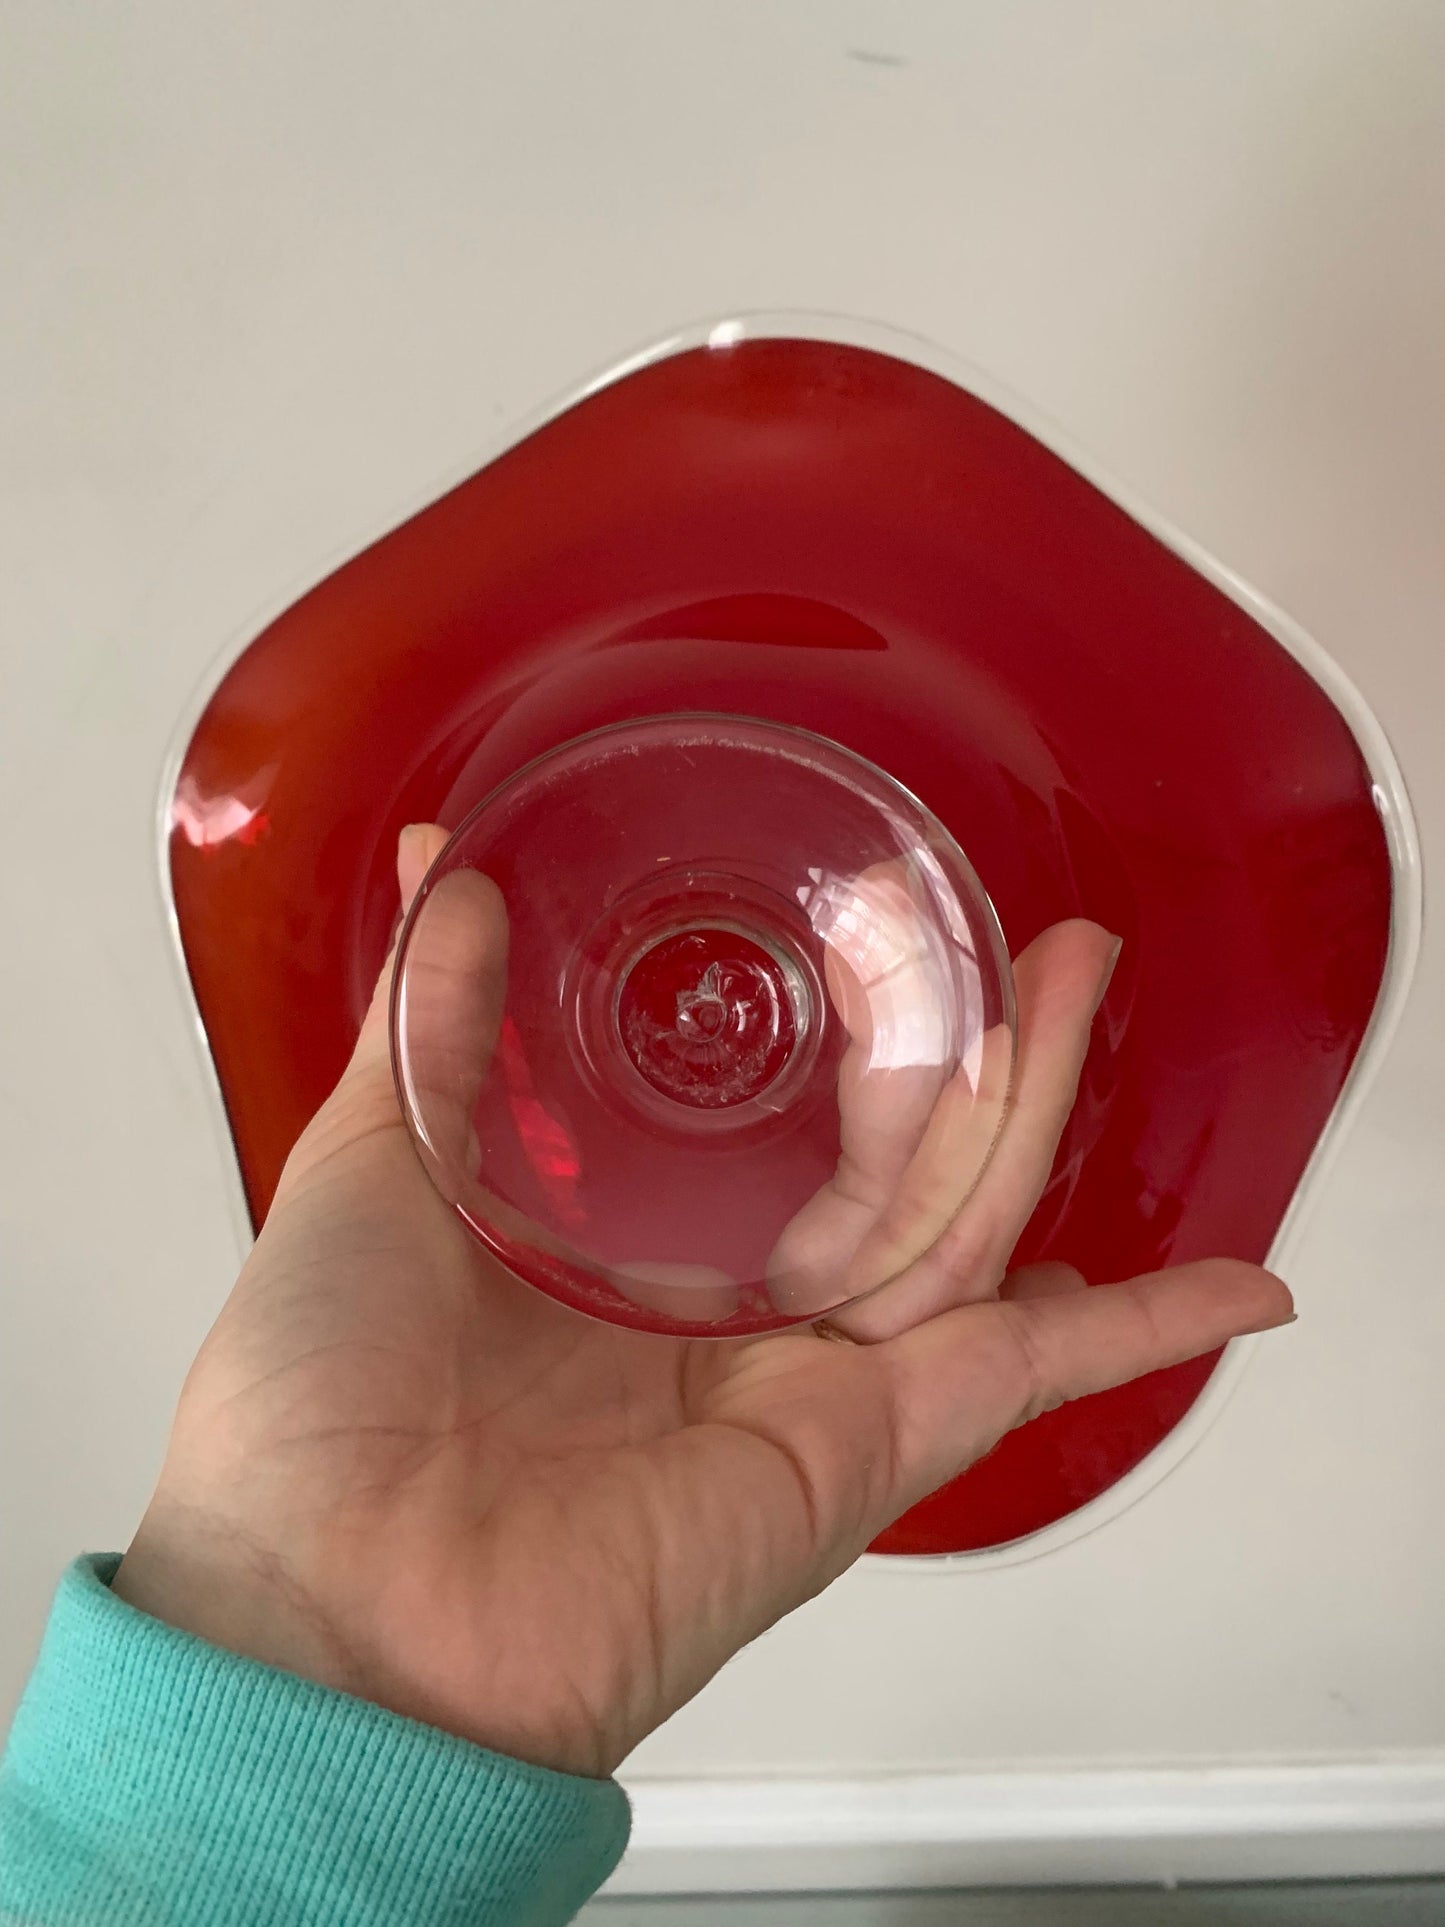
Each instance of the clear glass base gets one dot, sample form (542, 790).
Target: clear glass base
(703, 1024)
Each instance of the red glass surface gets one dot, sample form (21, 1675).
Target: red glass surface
(828, 536)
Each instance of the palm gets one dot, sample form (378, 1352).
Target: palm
(546, 1534)
(462, 1452)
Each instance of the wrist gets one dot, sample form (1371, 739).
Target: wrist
(204, 1577)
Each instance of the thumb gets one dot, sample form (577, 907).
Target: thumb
(365, 1095)
(417, 848)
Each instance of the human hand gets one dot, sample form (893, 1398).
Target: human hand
(400, 1471)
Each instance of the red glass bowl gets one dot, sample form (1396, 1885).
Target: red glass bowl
(827, 527)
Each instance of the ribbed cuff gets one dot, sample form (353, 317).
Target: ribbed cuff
(152, 1777)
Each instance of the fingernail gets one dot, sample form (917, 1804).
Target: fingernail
(410, 861)
(1108, 971)
(1271, 1325)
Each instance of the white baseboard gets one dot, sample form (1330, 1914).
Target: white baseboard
(1002, 1829)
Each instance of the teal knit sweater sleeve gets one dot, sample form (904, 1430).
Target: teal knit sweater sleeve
(153, 1778)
